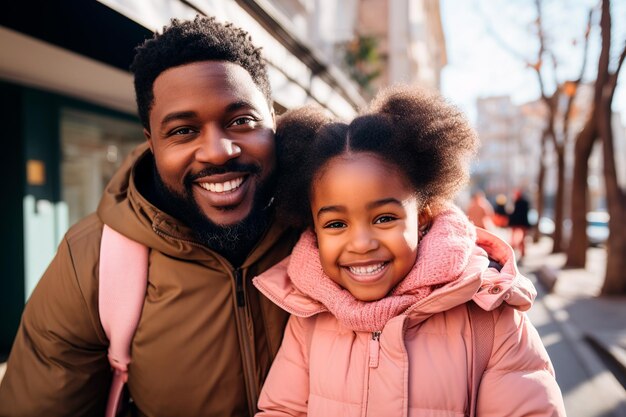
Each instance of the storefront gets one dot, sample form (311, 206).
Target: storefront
(68, 110)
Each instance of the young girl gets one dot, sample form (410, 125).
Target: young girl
(382, 284)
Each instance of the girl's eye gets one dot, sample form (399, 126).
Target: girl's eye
(334, 225)
(385, 219)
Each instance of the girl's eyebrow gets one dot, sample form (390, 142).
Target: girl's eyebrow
(372, 205)
(327, 209)
(384, 201)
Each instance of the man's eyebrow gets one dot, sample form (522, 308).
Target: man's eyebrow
(239, 104)
(177, 116)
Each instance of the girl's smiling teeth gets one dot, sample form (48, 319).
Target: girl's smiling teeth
(222, 187)
(367, 269)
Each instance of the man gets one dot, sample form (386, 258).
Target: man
(198, 195)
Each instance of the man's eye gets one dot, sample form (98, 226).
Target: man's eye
(243, 121)
(334, 225)
(384, 219)
(181, 131)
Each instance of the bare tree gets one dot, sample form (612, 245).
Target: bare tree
(577, 249)
(558, 97)
(556, 130)
(615, 280)
(597, 127)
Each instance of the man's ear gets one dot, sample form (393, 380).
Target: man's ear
(146, 133)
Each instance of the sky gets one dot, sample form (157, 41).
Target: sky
(489, 41)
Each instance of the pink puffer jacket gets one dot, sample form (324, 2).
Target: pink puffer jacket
(421, 363)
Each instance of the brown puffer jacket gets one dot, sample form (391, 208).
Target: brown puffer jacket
(198, 351)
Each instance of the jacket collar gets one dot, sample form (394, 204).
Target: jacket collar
(488, 287)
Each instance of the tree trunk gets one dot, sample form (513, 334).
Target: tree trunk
(615, 278)
(578, 242)
(540, 188)
(558, 201)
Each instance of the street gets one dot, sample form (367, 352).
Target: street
(566, 319)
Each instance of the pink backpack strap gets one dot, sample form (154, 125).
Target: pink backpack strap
(483, 328)
(123, 279)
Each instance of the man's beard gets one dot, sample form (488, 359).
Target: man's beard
(235, 241)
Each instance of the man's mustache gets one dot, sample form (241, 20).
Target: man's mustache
(230, 166)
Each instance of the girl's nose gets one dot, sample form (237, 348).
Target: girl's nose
(215, 148)
(363, 241)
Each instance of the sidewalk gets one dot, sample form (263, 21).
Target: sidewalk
(584, 334)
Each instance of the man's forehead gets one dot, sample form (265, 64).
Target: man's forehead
(208, 83)
(208, 72)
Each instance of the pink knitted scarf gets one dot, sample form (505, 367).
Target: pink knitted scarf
(443, 255)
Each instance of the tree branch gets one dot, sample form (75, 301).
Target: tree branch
(540, 53)
(576, 83)
(621, 60)
(496, 37)
(586, 46)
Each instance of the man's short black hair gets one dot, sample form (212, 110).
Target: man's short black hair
(185, 42)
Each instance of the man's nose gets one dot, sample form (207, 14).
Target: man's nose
(214, 147)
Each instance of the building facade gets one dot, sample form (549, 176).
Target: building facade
(511, 149)
(506, 158)
(67, 94)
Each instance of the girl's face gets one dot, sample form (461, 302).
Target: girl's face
(366, 220)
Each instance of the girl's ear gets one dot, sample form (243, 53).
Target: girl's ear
(315, 237)
(424, 220)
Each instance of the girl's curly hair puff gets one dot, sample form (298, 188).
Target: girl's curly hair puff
(296, 132)
(433, 144)
(426, 139)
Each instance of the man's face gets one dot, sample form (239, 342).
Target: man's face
(212, 136)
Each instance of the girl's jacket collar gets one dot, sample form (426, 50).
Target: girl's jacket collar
(487, 286)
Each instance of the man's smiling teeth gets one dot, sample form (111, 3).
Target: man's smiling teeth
(222, 187)
(367, 270)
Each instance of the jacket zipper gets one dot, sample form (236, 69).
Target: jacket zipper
(252, 389)
(241, 299)
(374, 353)
(374, 349)
(248, 357)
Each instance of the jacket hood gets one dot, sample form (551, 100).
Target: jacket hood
(487, 286)
(126, 210)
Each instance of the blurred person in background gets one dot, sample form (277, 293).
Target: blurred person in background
(500, 215)
(518, 222)
(479, 211)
